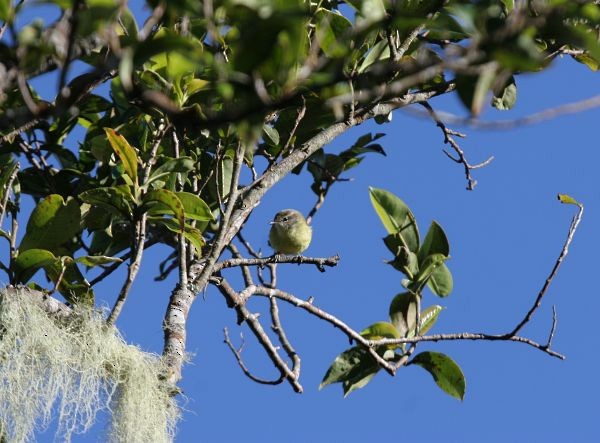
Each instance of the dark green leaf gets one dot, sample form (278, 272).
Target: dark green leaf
(435, 242)
(403, 312)
(505, 98)
(169, 200)
(446, 373)
(181, 164)
(117, 199)
(52, 223)
(342, 365)
(440, 282)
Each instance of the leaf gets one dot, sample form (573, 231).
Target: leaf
(567, 199)
(435, 242)
(587, 60)
(52, 223)
(354, 368)
(194, 235)
(440, 282)
(379, 330)
(428, 318)
(405, 261)
(181, 164)
(428, 266)
(96, 260)
(395, 216)
(332, 32)
(360, 375)
(446, 373)
(379, 51)
(505, 98)
(124, 151)
(30, 261)
(473, 90)
(168, 199)
(5, 10)
(117, 199)
(272, 135)
(194, 207)
(403, 312)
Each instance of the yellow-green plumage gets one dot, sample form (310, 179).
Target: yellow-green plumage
(290, 234)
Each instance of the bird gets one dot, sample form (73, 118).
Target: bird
(290, 233)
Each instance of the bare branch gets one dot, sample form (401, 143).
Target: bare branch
(563, 253)
(6, 190)
(320, 262)
(238, 356)
(538, 117)
(278, 329)
(237, 301)
(449, 139)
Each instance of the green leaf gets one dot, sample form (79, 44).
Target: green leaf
(194, 235)
(360, 375)
(379, 330)
(379, 51)
(52, 223)
(395, 216)
(353, 367)
(567, 199)
(5, 176)
(505, 98)
(195, 208)
(96, 260)
(181, 164)
(28, 262)
(428, 318)
(124, 151)
(271, 134)
(435, 242)
(509, 5)
(587, 60)
(117, 199)
(473, 90)
(403, 312)
(446, 373)
(332, 32)
(432, 262)
(169, 200)
(440, 282)
(5, 10)
(405, 261)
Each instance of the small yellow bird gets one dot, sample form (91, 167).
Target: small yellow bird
(290, 234)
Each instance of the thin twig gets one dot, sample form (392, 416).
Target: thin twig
(6, 191)
(532, 119)
(134, 266)
(73, 25)
(238, 356)
(449, 139)
(563, 253)
(238, 302)
(287, 346)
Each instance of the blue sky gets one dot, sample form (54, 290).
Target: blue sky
(504, 238)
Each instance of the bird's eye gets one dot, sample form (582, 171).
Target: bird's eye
(284, 219)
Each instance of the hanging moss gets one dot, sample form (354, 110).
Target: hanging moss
(71, 367)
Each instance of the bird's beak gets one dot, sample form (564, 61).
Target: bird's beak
(272, 222)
